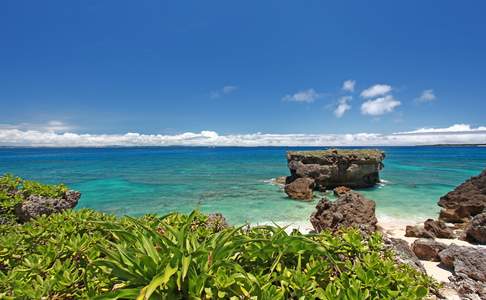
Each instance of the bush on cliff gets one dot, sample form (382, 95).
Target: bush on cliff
(86, 254)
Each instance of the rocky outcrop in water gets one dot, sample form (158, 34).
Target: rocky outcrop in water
(300, 189)
(332, 168)
(349, 210)
(465, 201)
(35, 206)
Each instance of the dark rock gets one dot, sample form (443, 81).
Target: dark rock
(439, 229)
(468, 261)
(300, 189)
(465, 201)
(427, 249)
(418, 231)
(340, 190)
(403, 252)
(349, 210)
(476, 229)
(35, 206)
(333, 168)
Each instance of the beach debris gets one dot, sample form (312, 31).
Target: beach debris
(465, 201)
(35, 206)
(349, 210)
(475, 231)
(427, 249)
(300, 189)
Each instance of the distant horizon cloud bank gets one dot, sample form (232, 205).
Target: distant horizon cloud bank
(49, 137)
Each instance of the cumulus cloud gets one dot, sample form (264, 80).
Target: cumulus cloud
(50, 126)
(348, 85)
(343, 106)
(450, 135)
(376, 90)
(226, 90)
(306, 96)
(426, 96)
(379, 106)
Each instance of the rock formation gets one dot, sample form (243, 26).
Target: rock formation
(465, 201)
(35, 206)
(476, 229)
(431, 229)
(333, 168)
(349, 210)
(427, 249)
(300, 189)
(403, 253)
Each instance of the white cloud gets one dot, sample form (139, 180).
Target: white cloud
(348, 85)
(307, 96)
(426, 96)
(50, 126)
(226, 90)
(376, 90)
(450, 135)
(379, 106)
(457, 128)
(342, 106)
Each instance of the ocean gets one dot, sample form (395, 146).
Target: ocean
(234, 181)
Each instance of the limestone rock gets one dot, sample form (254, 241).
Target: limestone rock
(476, 229)
(35, 206)
(333, 168)
(340, 190)
(465, 201)
(439, 229)
(403, 252)
(469, 261)
(418, 231)
(349, 210)
(427, 249)
(300, 189)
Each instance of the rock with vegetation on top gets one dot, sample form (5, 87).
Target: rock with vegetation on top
(476, 229)
(300, 189)
(427, 249)
(333, 168)
(465, 201)
(35, 206)
(349, 210)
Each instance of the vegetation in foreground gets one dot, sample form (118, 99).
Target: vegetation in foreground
(86, 254)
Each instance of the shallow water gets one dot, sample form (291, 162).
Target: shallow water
(234, 181)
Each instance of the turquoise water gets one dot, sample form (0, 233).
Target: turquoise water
(234, 181)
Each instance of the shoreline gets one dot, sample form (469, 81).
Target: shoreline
(395, 228)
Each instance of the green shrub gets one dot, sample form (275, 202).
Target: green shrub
(14, 190)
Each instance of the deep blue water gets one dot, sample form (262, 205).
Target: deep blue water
(233, 181)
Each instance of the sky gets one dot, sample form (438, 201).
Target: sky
(97, 73)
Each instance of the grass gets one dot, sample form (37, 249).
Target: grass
(358, 154)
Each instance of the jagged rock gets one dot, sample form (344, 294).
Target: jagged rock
(467, 288)
(349, 210)
(439, 229)
(340, 190)
(333, 168)
(465, 201)
(468, 261)
(418, 231)
(476, 229)
(300, 189)
(403, 252)
(35, 206)
(427, 249)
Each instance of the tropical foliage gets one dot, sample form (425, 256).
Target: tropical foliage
(86, 255)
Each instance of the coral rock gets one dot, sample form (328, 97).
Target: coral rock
(476, 229)
(35, 206)
(300, 189)
(427, 249)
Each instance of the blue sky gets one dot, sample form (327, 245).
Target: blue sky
(237, 67)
